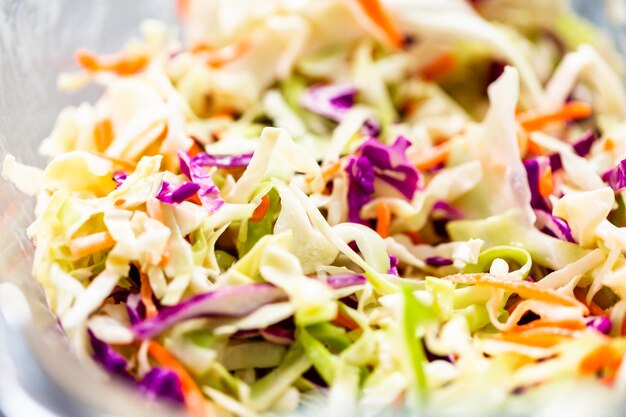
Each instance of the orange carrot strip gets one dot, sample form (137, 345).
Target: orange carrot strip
(195, 403)
(122, 64)
(165, 257)
(609, 144)
(570, 324)
(219, 57)
(182, 8)
(534, 148)
(594, 309)
(532, 120)
(86, 245)
(261, 209)
(541, 337)
(195, 199)
(415, 237)
(327, 172)
(383, 217)
(443, 64)
(195, 149)
(345, 321)
(103, 134)
(546, 185)
(375, 11)
(146, 296)
(433, 156)
(524, 289)
(604, 356)
(153, 209)
(201, 46)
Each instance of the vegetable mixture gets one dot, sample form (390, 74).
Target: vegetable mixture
(347, 205)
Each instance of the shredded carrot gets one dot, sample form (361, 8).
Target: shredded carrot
(375, 11)
(119, 202)
(86, 245)
(524, 289)
(153, 209)
(345, 321)
(328, 171)
(543, 337)
(195, 149)
(146, 296)
(261, 209)
(201, 46)
(103, 134)
(383, 217)
(533, 120)
(604, 356)
(120, 63)
(534, 148)
(570, 324)
(609, 144)
(195, 403)
(195, 199)
(594, 309)
(182, 8)
(443, 64)
(433, 156)
(415, 237)
(546, 185)
(165, 257)
(217, 58)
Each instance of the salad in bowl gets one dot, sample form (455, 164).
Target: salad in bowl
(343, 206)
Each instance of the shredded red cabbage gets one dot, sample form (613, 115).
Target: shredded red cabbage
(387, 163)
(599, 323)
(437, 261)
(443, 210)
(535, 169)
(371, 128)
(393, 266)
(616, 177)
(208, 193)
(135, 308)
(175, 193)
(553, 226)
(108, 358)
(391, 165)
(360, 186)
(582, 146)
(346, 280)
(329, 100)
(224, 302)
(162, 383)
(119, 177)
(222, 161)
(278, 334)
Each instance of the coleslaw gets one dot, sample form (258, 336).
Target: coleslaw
(343, 205)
